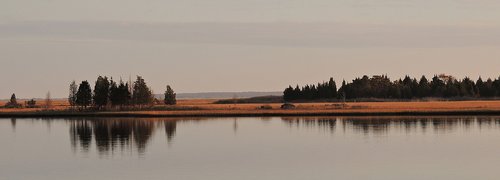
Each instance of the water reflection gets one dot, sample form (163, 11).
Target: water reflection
(382, 125)
(288, 147)
(324, 122)
(13, 123)
(110, 135)
(170, 127)
(117, 134)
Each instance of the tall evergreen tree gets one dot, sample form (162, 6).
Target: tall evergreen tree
(452, 89)
(332, 89)
(341, 94)
(288, 94)
(142, 95)
(13, 99)
(297, 93)
(119, 95)
(467, 88)
(125, 94)
(437, 87)
(114, 93)
(488, 89)
(496, 86)
(101, 92)
(424, 88)
(480, 86)
(170, 96)
(84, 94)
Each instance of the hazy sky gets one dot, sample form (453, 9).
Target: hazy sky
(244, 45)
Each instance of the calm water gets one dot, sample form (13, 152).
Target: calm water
(251, 148)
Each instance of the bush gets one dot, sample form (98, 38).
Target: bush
(267, 107)
(31, 104)
(288, 106)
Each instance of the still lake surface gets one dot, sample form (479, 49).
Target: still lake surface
(291, 148)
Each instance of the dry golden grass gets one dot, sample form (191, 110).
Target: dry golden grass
(206, 106)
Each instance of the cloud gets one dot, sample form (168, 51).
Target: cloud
(313, 35)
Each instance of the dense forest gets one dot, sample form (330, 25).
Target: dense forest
(381, 87)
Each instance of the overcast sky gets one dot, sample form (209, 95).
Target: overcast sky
(244, 45)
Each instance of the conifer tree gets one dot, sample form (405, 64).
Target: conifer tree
(424, 88)
(288, 94)
(170, 96)
(332, 89)
(101, 92)
(84, 94)
(13, 99)
(13, 102)
(142, 95)
(114, 93)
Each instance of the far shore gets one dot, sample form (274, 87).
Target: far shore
(206, 108)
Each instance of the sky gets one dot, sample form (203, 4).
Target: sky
(244, 45)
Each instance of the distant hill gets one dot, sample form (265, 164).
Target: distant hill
(222, 95)
(257, 99)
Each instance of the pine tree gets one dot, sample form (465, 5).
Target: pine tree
(452, 89)
(84, 94)
(142, 95)
(119, 94)
(488, 90)
(332, 89)
(170, 98)
(424, 88)
(437, 87)
(467, 88)
(101, 92)
(114, 93)
(480, 87)
(125, 94)
(288, 94)
(13, 99)
(13, 102)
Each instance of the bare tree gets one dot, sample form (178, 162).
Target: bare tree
(73, 89)
(48, 101)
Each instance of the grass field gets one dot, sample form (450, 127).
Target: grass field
(206, 107)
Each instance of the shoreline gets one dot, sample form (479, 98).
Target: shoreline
(167, 114)
(206, 108)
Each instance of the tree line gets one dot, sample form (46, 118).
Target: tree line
(108, 93)
(440, 86)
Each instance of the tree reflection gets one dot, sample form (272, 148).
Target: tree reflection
(113, 134)
(81, 131)
(328, 123)
(381, 125)
(170, 127)
(13, 122)
(110, 135)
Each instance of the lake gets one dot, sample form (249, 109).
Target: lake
(291, 148)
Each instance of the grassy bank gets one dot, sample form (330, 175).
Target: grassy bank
(206, 108)
(53, 114)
